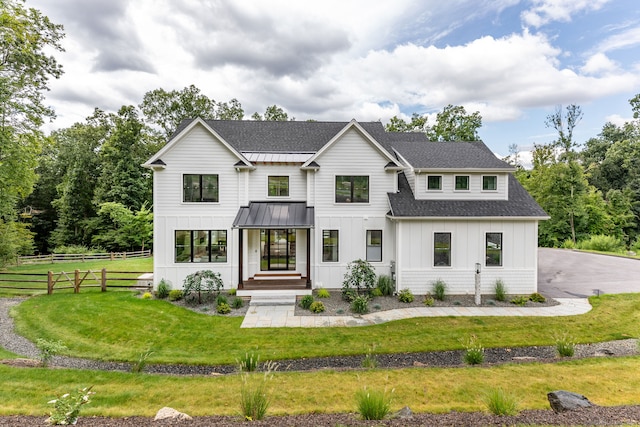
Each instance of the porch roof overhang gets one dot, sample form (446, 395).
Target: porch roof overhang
(275, 215)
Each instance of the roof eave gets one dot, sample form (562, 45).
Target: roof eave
(466, 218)
(464, 170)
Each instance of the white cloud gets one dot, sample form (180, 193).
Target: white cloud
(599, 64)
(545, 11)
(618, 120)
(626, 39)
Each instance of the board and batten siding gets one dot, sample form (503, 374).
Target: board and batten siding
(415, 247)
(449, 192)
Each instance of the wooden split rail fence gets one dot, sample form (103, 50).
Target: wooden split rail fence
(74, 280)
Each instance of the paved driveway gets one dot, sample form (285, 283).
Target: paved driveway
(566, 274)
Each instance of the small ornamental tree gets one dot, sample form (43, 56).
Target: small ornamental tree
(360, 277)
(203, 281)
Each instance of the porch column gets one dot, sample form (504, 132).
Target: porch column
(309, 258)
(240, 258)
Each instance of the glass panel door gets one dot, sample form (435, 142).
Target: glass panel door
(278, 248)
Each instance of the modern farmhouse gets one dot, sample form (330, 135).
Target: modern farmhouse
(258, 200)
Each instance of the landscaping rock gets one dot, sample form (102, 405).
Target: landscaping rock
(403, 414)
(22, 363)
(563, 401)
(167, 413)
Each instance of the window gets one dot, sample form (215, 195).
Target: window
(330, 245)
(494, 250)
(200, 188)
(278, 186)
(442, 249)
(434, 182)
(489, 183)
(462, 182)
(201, 246)
(374, 245)
(352, 189)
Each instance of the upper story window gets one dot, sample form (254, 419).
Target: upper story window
(494, 250)
(434, 182)
(489, 183)
(352, 189)
(374, 245)
(442, 249)
(462, 182)
(200, 188)
(278, 186)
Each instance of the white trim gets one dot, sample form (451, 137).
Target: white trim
(467, 218)
(461, 190)
(322, 261)
(484, 263)
(429, 190)
(288, 196)
(367, 203)
(433, 251)
(366, 231)
(495, 190)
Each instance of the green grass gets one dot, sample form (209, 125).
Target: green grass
(119, 326)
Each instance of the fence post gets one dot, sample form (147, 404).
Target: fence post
(76, 282)
(49, 282)
(103, 280)
(111, 256)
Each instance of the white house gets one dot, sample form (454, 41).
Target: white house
(257, 200)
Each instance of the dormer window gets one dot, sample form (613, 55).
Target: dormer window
(462, 182)
(278, 186)
(434, 182)
(489, 183)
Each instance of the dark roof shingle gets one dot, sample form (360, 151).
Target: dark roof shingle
(449, 155)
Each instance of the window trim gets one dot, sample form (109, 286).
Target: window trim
(288, 186)
(201, 175)
(337, 251)
(490, 189)
(455, 182)
(210, 246)
(450, 249)
(486, 249)
(439, 182)
(368, 245)
(335, 189)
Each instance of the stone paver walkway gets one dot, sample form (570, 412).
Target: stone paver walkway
(283, 316)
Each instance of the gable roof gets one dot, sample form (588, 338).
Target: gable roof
(449, 155)
(520, 205)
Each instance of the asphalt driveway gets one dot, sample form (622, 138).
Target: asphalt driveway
(563, 273)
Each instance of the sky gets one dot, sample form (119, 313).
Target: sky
(514, 61)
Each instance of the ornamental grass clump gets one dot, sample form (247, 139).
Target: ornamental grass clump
(323, 293)
(473, 351)
(373, 404)
(248, 363)
(306, 301)
(254, 399)
(439, 289)
(498, 402)
(565, 347)
(370, 360)
(385, 284)
(237, 303)
(500, 290)
(141, 363)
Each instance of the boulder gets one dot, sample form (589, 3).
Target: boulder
(167, 413)
(563, 401)
(403, 414)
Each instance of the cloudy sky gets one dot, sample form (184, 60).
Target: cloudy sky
(512, 60)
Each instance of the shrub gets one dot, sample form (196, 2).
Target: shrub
(536, 297)
(223, 308)
(405, 296)
(237, 303)
(203, 281)
(360, 304)
(474, 352)
(565, 347)
(147, 295)
(439, 289)
(349, 295)
(360, 277)
(221, 299)
(385, 284)
(317, 307)
(519, 300)
(254, 401)
(73, 249)
(175, 295)
(428, 300)
(48, 349)
(568, 244)
(602, 243)
(248, 363)
(500, 290)
(306, 301)
(375, 292)
(232, 292)
(66, 408)
(164, 287)
(500, 403)
(373, 404)
(323, 293)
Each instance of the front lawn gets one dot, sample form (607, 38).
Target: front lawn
(120, 326)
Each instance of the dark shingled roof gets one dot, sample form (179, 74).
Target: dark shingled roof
(520, 204)
(449, 155)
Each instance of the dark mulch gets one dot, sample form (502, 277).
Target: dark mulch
(595, 416)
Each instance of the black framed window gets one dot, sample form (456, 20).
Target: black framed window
(494, 250)
(200, 188)
(434, 182)
(330, 245)
(462, 182)
(374, 245)
(278, 186)
(352, 189)
(442, 249)
(201, 246)
(489, 183)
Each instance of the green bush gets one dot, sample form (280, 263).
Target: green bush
(360, 276)
(323, 293)
(317, 307)
(147, 295)
(519, 300)
(360, 304)
(349, 294)
(536, 297)
(237, 303)
(202, 282)
(48, 349)
(568, 244)
(232, 292)
(385, 284)
(500, 403)
(428, 300)
(602, 243)
(164, 287)
(375, 292)
(373, 404)
(175, 295)
(66, 408)
(306, 301)
(223, 308)
(221, 299)
(565, 347)
(473, 351)
(73, 249)
(439, 289)
(500, 290)
(405, 296)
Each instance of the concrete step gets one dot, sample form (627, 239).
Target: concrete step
(271, 298)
